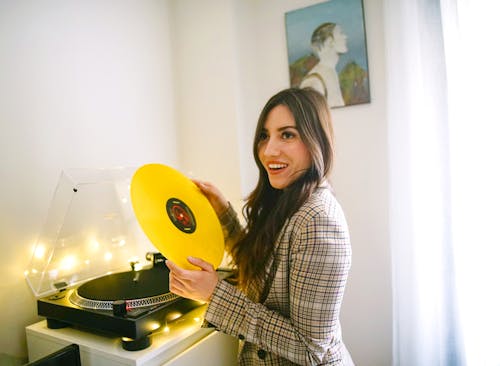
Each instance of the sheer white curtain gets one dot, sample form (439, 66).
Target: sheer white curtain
(472, 47)
(444, 163)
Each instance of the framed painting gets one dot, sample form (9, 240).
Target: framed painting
(327, 51)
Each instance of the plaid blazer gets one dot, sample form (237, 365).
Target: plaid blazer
(298, 321)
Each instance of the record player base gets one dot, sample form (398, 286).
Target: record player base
(181, 346)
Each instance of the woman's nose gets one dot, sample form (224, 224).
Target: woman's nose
(272, 147)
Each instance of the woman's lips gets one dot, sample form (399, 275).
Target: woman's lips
(276, 167)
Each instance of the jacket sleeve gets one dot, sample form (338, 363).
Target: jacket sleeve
(319, 261)
(231, 226)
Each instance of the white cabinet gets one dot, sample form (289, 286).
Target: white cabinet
(183, 344)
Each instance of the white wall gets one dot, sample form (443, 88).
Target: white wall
(82, 84)
(227, 58)
(205, 65)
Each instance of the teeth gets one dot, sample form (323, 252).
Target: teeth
(277, 166)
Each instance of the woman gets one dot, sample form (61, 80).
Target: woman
(294, 254)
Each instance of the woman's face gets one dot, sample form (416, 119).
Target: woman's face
(281, 149)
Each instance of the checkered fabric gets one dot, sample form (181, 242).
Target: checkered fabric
(298, 321)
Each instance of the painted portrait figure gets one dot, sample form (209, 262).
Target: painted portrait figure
(328, 42)
(327, 51)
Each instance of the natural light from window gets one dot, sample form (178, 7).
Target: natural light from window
(472, 65)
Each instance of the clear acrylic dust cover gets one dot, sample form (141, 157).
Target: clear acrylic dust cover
(90, 231)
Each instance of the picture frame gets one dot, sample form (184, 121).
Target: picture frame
(327, 51)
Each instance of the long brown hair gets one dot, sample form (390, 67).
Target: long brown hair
(267, 208)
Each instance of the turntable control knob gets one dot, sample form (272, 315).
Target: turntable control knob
(119, 307)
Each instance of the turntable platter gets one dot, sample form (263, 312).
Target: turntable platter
(137, 288)
(126, 285)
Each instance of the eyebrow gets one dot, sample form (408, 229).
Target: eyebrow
(283, 128)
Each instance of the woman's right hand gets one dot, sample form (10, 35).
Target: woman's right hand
(214, 196)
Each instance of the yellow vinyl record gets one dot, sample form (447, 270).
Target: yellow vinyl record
(176, 216)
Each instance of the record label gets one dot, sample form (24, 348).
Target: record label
(181, 216)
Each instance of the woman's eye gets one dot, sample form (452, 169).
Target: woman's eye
(286, 135)
(262, 136)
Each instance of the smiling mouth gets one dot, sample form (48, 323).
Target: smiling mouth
(276, 167)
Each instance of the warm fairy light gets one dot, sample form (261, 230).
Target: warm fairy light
(94, 244)
(174, 315)
(68, 263)
(86, 261)
(118, 241)
(154, 326)
(39, 251)
(53, 273)
(166, 329)
(108, 256)
(124, 199)
(197, 319)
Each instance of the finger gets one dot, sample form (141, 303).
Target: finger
(203, 186)
(185, 276)
(174, 269)
(171, 265)
(207, 188)
(198, 262)
(197, 182)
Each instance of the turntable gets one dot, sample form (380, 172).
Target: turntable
(87, 270)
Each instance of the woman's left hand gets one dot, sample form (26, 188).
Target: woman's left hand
(193, 284)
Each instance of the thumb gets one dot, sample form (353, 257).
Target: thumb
(200, 263)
